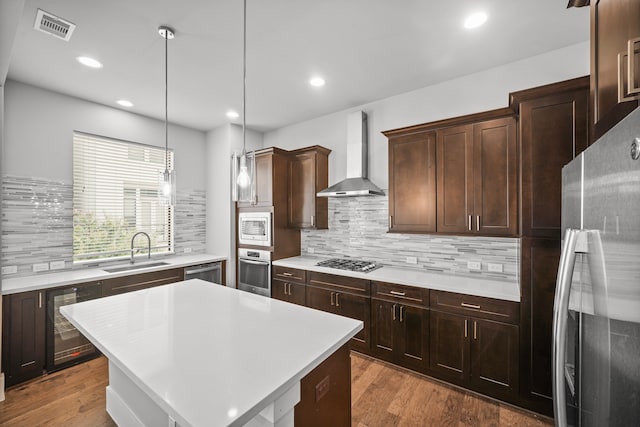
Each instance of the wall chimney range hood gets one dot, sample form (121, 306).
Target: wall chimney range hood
(356, 183)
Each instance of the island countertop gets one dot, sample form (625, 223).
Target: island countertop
(210, 355)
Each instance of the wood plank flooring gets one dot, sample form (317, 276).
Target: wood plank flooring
(382, 396)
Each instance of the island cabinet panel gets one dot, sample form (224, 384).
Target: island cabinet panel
(477, 181)
(613, 24)
(400, 325)
(346, 296)
(120, 285)
(471, 349)
(412, 182)
(23, 336)
(308, 174)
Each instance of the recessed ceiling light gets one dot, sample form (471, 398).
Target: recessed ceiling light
(475, 20)
(232, 114)
(317, 81)
(89, 62)
(125, 103)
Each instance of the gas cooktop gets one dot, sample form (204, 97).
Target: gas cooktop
(349, 264)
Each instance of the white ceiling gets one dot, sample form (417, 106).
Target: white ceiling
(365, 49)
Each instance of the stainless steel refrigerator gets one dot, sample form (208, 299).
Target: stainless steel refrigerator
(596, 325)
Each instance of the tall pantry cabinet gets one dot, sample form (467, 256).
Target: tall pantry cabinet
(554, 128)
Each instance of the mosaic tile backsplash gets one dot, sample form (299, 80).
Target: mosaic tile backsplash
(358, 228)
(37, 223)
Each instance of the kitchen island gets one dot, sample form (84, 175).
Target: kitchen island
(194, 354)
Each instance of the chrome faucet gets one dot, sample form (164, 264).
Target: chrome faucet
(148, 240)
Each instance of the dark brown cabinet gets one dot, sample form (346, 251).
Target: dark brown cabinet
(613, 24)
(23, 336)
(412, 182)
(308, 174)
(477, 178)
(120, 285)
(346, 296)
(400, 325)
(469, 347)
(289, 285)
(270, 176)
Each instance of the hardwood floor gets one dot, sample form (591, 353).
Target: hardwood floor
(382, 396)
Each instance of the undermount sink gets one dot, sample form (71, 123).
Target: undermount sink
(134, 267)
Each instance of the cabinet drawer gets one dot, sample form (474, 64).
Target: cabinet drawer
(289, 274)
(400, 293)
(481, 307)
(340, 283)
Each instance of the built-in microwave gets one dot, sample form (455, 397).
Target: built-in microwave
(254, 228)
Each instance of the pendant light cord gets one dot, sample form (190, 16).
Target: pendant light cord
(244, 78)
(166, 99)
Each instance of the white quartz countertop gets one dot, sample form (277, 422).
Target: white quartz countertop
(413, 277)
(71, 277)
(210, 355)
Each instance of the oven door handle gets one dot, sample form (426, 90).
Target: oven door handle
(249, 261)
(202, 270)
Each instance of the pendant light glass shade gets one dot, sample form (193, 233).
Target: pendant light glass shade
(244, 165)
(167, 178)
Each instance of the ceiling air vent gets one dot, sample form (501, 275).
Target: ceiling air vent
(51, 24)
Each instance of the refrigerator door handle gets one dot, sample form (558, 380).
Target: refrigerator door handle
(574, 241)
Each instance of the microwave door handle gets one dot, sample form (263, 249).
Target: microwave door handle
(202, 270)
(248, 261)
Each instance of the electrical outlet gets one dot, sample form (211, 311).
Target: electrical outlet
(412, 260)
(495, 267)
(40, 267)
(311, 250)
(56, 265)
(474, 265)
(10, 269)
(187, 250)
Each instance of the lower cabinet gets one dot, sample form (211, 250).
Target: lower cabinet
(23, 336)
(288, 291)
(120, 285)
(344, 296)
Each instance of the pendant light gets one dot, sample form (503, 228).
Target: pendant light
(168, 177)
(244, 177)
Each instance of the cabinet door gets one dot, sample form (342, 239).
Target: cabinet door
(455, 185)
(297, 293)
(494, 358)
(495, 169)
(320, 299)
(264, 180)
(413, 331)
(357, 307)
(383, 326)
(412, 183)
(302, 191)
(613, 23)
(280, 290)
(24, 336)
(449, 346)
(553, 130)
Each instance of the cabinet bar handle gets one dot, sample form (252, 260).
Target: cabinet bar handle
(474, 306)
(313, 221)
(401, 309)
(287, 274)
(465, 328)
(477, 222)
(39, 299)
(285, 288)
(401, 294)
(333, 295)
(623, 95)
(337, 300)
(393, 311)
(390, 221)
(470, 226)
(475, 330)
(632, 88)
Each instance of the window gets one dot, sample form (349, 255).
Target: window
(115, 195)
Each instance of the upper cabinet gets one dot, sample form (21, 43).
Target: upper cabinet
(271, 178)
(615, 24)
(412, 182)
(308, 174)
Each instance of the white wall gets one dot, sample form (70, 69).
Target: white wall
(221, 143)
(39, 127)
(474, 93)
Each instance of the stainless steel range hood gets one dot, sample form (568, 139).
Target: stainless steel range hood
(356, 183)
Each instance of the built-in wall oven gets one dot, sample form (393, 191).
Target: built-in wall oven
(254, 228)
(65, 344)
(254, 271)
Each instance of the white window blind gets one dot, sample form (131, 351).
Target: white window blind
(115, 195)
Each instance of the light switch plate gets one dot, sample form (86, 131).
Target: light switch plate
(187, 250)
(474, 265)
(10, 269)
(40, 267)
(412, 260)
(311, 250)
(498, 268)
(56, 265)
